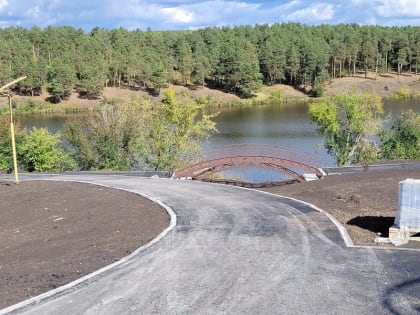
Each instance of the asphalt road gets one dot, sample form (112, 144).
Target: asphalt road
(237, 251)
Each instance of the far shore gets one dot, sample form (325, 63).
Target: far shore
(386, 85)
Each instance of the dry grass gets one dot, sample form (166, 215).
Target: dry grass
(385, 85)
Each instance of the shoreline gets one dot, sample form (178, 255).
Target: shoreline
(389, 87)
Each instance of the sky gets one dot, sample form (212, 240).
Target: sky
(193, 14)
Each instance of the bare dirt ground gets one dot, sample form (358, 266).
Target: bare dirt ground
(364, 203)
(384, 85)
(52, 233)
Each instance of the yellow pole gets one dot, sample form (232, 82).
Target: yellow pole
(12, 135)
(12, 127)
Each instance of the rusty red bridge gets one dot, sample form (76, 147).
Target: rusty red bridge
(293, 163)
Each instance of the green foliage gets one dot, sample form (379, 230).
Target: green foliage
(236, 59)
(317, 90)
(102, 140)
(403, 93)
(158, 77)
(276, 96)
(62, 79)
(143, 136)
(174, 133)
(402, 140)
(367, 152)
(6, 162)
(41, 151)
(348, 121)
(38, 151)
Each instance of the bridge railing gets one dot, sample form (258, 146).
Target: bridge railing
(262, 150)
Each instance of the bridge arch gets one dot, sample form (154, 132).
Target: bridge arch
(291, 162)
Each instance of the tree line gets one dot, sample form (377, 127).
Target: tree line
(235, 59)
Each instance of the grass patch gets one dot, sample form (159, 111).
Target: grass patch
(34, 107)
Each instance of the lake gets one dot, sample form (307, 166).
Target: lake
(280, 124)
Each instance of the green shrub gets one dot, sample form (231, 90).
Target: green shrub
(403, 93)
(41, 151)
(6, 162)
(402, 140)
(276, 95)
(317, 90)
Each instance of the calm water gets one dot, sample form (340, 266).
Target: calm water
(282, 125)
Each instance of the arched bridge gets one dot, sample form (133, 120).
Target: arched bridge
(293, 163)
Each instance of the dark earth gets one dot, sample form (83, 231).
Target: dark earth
(52, 233)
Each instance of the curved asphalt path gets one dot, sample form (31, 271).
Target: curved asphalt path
(238, 251)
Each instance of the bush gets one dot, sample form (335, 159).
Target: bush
(276, 96)
(6, 162)
(146, 136)
(367, 153)
(403, 93)
(402, 140)
(317, 90)
(41, 151)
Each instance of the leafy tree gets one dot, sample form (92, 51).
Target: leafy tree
(184, 60)
(62, 79)
(6, 161)
(293, 64)
(369, 50)
(273, 59)
(174, 131)
(142, 136)
(158, 77)
(36, 77)
(102, 140)
(238, 70)
(348, 121)
(90, 66)
(5, 61)
(402, 140)
(42, 151)
(201, 65)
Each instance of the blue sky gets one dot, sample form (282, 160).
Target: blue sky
(192, 14)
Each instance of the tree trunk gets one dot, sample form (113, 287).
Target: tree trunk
(354, 67)
(350, 67)
(33, 52)
(115, 78)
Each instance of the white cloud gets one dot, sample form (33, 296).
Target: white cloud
(3, 4)
(33, 12)
(178, 15)
(192, 14)
(316, 12)
(393, 8)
